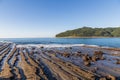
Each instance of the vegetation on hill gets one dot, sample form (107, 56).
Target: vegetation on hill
(91, 32)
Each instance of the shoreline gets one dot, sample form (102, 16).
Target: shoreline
(87, 37)
(65, 45)
(70, 45)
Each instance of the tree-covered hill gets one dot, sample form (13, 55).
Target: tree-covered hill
(91, 32)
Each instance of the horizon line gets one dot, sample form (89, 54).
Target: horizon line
(27, 37)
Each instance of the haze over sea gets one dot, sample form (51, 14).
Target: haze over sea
(104, 42)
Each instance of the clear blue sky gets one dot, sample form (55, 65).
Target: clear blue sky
(45, 18)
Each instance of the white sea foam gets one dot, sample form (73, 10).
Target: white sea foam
(55, 45)
(93, 45)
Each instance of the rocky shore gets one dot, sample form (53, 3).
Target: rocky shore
(44, 62)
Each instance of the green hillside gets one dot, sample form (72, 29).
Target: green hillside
(91, 32)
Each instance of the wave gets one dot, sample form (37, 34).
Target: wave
(55, 45)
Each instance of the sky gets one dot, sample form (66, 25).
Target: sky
(46, 18)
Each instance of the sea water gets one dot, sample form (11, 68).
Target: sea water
(106, 42)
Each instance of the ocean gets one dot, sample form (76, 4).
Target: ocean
(102, 42)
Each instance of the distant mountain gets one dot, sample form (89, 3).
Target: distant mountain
(91, 32)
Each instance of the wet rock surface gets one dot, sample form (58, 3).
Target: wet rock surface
(20, 62)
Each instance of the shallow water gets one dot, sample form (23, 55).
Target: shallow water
(108, 42)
